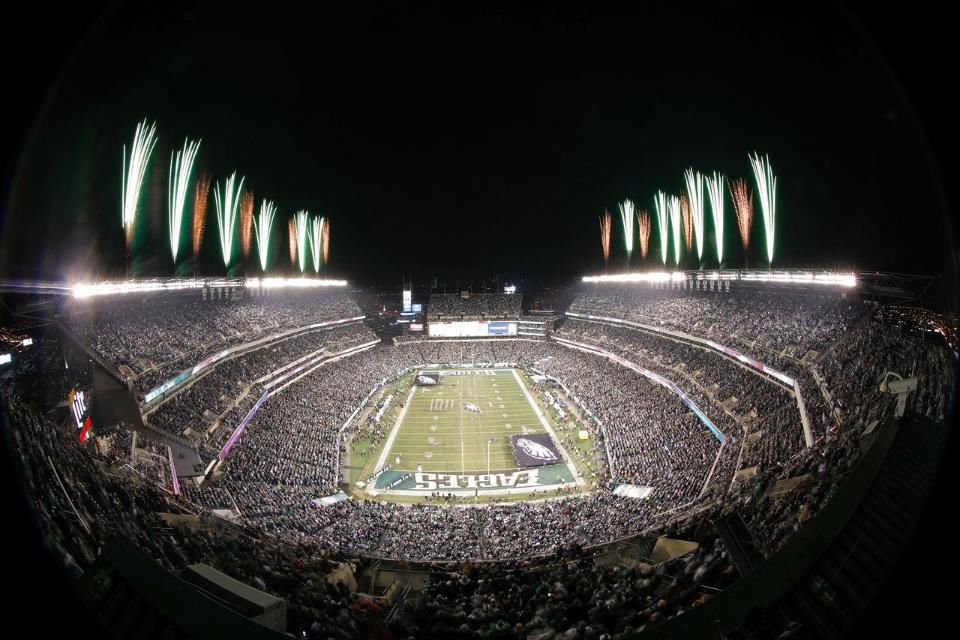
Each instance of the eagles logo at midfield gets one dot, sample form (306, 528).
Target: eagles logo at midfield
(536, 450)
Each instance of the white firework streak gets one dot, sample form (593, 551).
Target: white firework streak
(228, 206)
(663, 222)
(315, 233)
(144, 140)
(675, 221)
(626, 216)
(695, 194)
(261, 230)
(181, 166)
(300, 221)
(715, 189)
(767, 188)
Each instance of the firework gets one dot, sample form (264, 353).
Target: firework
(246, 222)
(715, 191)
(228, 206)
(663, 222)
(181, 165)
(694, 181)
(144, 140)
(292, 235)
(261, 229)
(626, 216)
(201, 192)
(767, 188)
(743, 205)
(301, 220)
(687, 218)
(644, 226)
(606, 226)
(315, 236)
(326, 241)
(675, 212)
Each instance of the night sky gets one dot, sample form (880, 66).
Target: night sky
(470, 141)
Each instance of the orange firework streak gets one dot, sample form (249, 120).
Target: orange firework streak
(606, 226)
(292, 226)
(643, 223)
(326, 240)
(200, 193)
(687, 223)
(743, 204)
(246, 222)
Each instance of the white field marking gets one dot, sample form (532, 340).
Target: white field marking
(393, 432)
(546, 425)
(463, 464)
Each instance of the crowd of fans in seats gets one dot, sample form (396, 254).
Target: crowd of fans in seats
(158, 336)
(199, 406)
(759, 321)
(456, 306)
(288, 457)
(718, 384)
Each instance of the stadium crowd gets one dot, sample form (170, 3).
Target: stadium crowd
(199, 406)
(157, 336)
(289, 456)
(492, 306)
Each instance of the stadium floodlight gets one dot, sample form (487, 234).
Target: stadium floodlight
(292, 283)
(228, 206)
(715, 191)
(767, 188)
(626, 216)
(824, 278)
(663, 223)
(694, 181)
(181, 165)
(261, 230)
(144, 140)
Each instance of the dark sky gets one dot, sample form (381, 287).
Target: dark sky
(469, 140)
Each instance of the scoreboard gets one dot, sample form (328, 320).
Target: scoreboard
(471, 329)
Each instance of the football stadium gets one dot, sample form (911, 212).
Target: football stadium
(368, 370)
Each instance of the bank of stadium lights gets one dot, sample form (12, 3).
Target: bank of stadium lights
(848, 280)
(292, 283)
(228, 205)
(767, 189)
(96, 289)
(144, 140)
(178, 187)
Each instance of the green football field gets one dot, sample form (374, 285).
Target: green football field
(440, 434)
